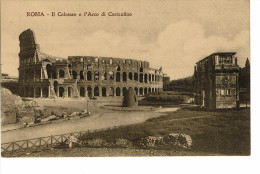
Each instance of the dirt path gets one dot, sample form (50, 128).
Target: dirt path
(96, 121)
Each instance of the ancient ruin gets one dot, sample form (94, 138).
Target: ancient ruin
(216, 81)
(41, 75)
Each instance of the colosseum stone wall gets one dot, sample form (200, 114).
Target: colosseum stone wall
(41, 75)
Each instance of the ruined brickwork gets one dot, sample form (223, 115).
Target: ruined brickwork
(41, 75)
(216, 81)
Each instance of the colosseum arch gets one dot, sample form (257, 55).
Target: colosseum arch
(61, 73)
(49, 71)
(81, 75)
(124, 76)
(105, 75)
(141, 91)
(145, 78)
(118, 77)
(61, 92)
(96, 91)
(82, 91)
(45, 92)
(104, 91)
(89, 89)
(111, 75)
(96, 76)
(69, 91)
(118, 91)
(141, 78)
(136, 90)
(54, 74)
(145, 90)
(124, 91)
(89, 76)
(150, 77)
(136, 77)
(149, 90)
(111, 91)
(130, 76)
(74, 74)
(55, 87)
(118, 68)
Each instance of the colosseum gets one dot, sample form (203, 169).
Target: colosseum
(41, 75)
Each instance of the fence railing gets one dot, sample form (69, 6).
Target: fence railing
(47, 141)
(38, 142)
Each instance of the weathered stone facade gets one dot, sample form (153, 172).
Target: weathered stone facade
(216, 81)
(41, 75)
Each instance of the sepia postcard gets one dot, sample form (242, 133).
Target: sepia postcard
(125, 78)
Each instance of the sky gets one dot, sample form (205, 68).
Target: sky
(174, 34)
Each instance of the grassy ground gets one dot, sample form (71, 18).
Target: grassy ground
(223, 132)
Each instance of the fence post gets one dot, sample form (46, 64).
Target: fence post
(12, 147)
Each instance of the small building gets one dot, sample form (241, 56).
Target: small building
(216, 81)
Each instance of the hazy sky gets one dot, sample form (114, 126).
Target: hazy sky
(174, 34)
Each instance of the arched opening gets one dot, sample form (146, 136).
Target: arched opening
(141, 69)
(82, 92)
(117, 91)
(136, 90)
(145, 78)
(124, 91)
(152, 89)
(118, 77)
(111, 91)
(61, 73)
(89, 92)
(105, 75)
(145, 91)
(153, 77)
(74, 74)
(56, 87)
(45, 92)
(118, 68)
(111, 75)
(38, 92)
(89, 76)
(54, 75)
(69, 92)
(130, 76)
(81, 75)
(150, 77)
(104, 92)
(141, 91)
(49, 71)
(61, 91)
(141, 78)
(96, 76)
(124, 77)
(136, 77)
(96, 91)
(149, 91)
